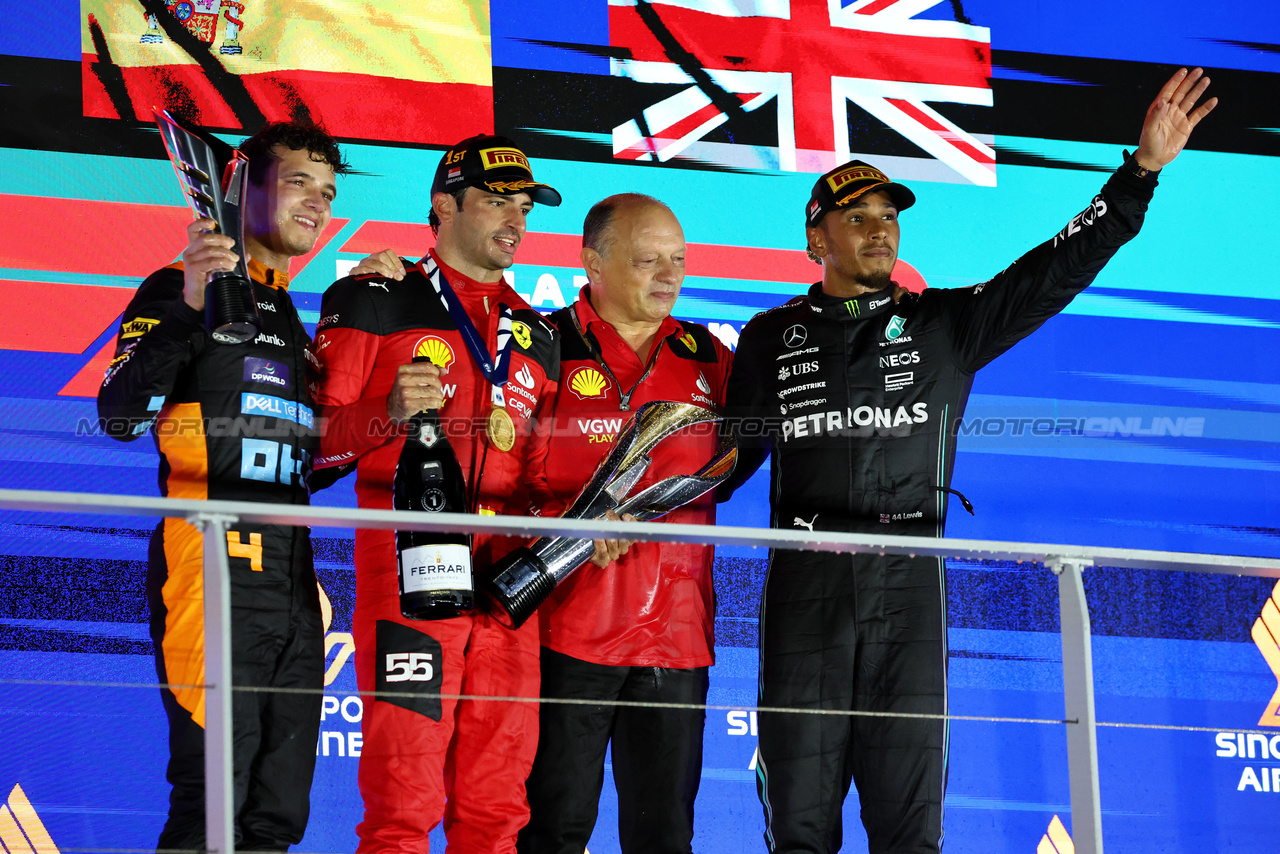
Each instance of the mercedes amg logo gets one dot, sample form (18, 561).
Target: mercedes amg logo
(795, 336)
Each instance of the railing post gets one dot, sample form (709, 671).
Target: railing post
(219, 796)
(1077, 683)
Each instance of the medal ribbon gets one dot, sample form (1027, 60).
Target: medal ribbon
(494, 369)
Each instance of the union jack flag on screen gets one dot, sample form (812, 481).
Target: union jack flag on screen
(828, 69)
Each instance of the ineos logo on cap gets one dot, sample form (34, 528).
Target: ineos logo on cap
(795, 336)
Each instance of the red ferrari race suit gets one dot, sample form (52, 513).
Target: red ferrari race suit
(419, 753)
(641, 628)
(230, 422)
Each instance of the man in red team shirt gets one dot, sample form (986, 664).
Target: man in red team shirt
(640, 629)
(418, 751)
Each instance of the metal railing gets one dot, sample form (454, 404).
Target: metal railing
(1068, 562)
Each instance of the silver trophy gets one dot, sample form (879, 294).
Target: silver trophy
(526, 577)
(213, 178)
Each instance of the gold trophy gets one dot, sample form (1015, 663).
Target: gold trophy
(213, 178)
(526, 577)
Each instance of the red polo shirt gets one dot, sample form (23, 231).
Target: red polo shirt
(655, 607)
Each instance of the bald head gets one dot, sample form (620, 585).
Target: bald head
(633, 253)
(598, 232)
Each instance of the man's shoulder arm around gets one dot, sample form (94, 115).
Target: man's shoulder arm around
(744, 403)
(160, 335)
(543, 348)
(341, 360)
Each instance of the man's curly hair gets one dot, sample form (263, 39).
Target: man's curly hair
(299, 135)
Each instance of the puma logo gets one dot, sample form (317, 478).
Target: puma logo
(798, 522)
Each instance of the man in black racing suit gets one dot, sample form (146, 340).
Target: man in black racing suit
(857, 387)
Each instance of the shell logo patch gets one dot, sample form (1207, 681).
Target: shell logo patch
(588, 383)
(436, 349)
(687, 340)
(520, 332)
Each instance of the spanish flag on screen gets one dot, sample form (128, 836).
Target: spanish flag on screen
(395, 70)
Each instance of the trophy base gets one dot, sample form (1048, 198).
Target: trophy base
(521, 584)
(231, 315)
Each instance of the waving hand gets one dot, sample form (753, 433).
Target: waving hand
(1171, 118)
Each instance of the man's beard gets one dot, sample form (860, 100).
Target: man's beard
(878, 281)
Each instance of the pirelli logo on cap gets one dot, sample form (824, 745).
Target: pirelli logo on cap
(855, 173)
(496, 158)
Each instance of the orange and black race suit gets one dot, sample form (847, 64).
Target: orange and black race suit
(231, 421)
(421, 748)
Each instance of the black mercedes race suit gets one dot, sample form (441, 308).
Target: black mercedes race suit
(231, 421)
(858, 400)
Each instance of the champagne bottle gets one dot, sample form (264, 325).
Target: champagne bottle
(434, 568)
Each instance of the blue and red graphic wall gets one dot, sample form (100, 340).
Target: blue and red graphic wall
(1146, 415)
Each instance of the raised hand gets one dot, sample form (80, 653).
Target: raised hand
(1171, 118)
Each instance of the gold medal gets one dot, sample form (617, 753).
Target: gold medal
(501, 430)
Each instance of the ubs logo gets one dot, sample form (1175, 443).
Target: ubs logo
(795, 336)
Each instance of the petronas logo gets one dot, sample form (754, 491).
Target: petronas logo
(895, 327)
(588, 383)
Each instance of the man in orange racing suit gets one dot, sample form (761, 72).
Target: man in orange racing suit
(235, 422)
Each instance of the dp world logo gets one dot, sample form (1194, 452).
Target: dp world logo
(894, 329)
(795, 336)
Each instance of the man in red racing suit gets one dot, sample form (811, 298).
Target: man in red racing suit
(430, 758)
(640, 629)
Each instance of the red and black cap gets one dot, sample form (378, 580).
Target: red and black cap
(841, 186)
(494, 164)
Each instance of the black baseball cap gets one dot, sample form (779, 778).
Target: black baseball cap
(842, 185)
(494, 164)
